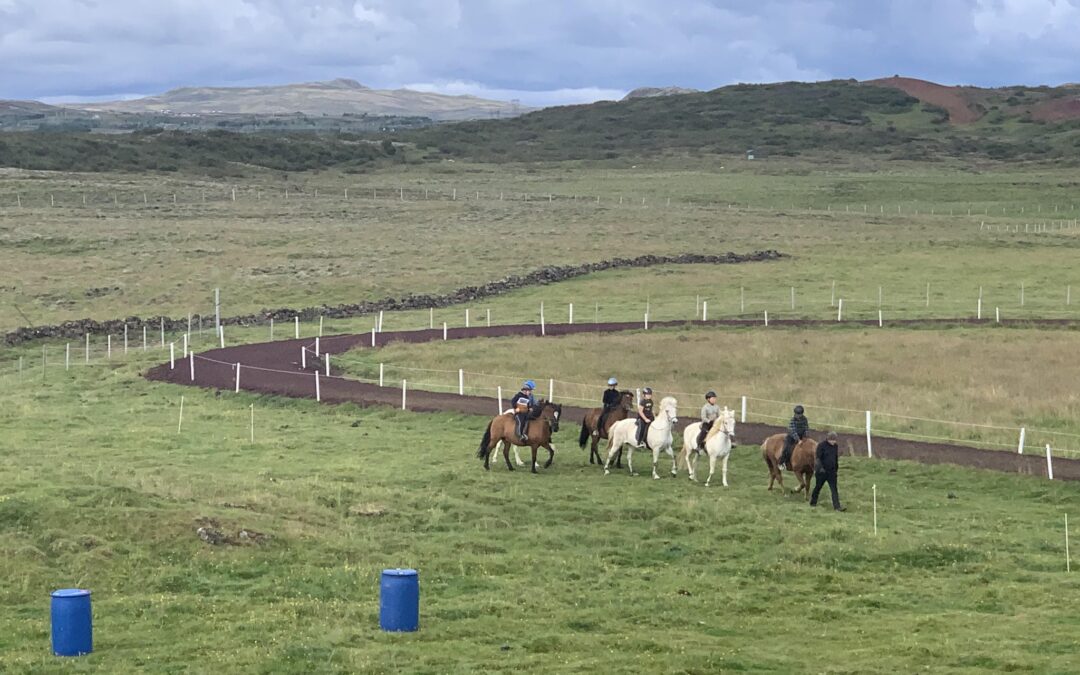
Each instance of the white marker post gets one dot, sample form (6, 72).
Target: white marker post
(172, 356)
(875, 508)
(840, 310)
(144, 337)
(296, 327)
(67, 357)
(551, 390)
(271, 329)
(1068, 562)
(1020, 448)
(793, 298)
(646, 321)
(431, 318)
(460, 382)
(252, 423)
(180, 422)
(498, 396)
(185, 345)
(86, 351)
(318, 388)
(317, 347)
(372, 336)
(571, 313)
(704, 310)
(221, 335)
(743, 417)
(303, 358)
(880, 319)
(543, 329)
(444, 331)
(1049, 464)
(766, 318)
(978, 312)
(191, 366)
(320, 326)
(380, 320)
(238, 378)
(125, 339)
(381, 372)
(997, 315)
(869, 445)
(489, 318)
(326, 360)
(466, 317)
(403, 389)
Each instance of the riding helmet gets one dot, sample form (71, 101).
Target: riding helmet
(612, 382)
(646, 390)
(529, 384)
(709, 394)
(798, 410)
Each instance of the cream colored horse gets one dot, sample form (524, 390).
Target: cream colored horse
(718, 445)
(624, 433)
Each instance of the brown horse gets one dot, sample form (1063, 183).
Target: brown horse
(588, 425)
(802, 461)
(542, 423)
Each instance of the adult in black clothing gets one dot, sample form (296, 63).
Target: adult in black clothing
(826, 464)
(610, 402)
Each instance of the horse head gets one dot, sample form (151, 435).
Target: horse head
(626, 397)
(727, 423)
(670, 407)
(551, 413)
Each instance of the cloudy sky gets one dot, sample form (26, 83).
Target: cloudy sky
(540, 51)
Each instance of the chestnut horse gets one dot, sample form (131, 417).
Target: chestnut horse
(588, 425)
(542, 423)
(802, 461)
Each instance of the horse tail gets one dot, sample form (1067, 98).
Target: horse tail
(485, 443)
(583, 438)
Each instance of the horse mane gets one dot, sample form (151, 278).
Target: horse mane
(668, 401)
(537, 409)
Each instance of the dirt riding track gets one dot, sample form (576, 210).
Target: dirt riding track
(275, 368)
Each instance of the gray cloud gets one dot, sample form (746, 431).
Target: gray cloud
(553, 52)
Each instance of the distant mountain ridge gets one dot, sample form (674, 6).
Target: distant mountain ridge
(333, 97)
(649, 92)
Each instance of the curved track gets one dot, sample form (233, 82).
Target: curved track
(274, 368)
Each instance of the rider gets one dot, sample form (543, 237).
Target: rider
(522, 404)
(710, 412)
(797, 429)
(610, 402)
(645, 414)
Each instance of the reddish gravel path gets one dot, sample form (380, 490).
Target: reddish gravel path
(274, 368)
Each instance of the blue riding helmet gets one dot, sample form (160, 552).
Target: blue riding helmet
(612, 382)
(529, 384)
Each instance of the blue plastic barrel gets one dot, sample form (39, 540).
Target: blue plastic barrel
(72, 629)
(399, 600)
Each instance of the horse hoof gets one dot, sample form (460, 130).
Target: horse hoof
(656, 477)
(606, 472)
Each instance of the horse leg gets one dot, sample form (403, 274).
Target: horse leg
(655, 461)
(593, 451)
(712, 468)
(692, 468)
(724, 468)
(674, 463)
(630, 460)
(618, 459)
(551, 454)
(611, 453)
(534, 459)
(506, 454)
(517, 457)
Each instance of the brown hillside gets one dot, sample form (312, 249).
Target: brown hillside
(948, 98)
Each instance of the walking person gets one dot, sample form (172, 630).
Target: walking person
(826, 464)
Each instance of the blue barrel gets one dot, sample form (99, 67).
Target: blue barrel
(72, 630)
(399, 601)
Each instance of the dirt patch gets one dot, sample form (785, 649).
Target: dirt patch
(1057, 110)
(212, 532)
(367, 510)
(948, 98)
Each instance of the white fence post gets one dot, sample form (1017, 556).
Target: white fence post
(381, 371)
(997, 315)
(743, 418)
(318, 388)
(466, 317)
(303, 358)
(403, 387)
(86, 352)
(221, 335)
(499, 395)
(978, 312)
(880, 319)
(326, 360)
(238, 378)
(185, 336)
(172, 356)
(766, 318)
(869, 445)
(1020, 448)
(461, 382)
(296, 326)
(431, 318)
(489, 318)
(646, 321)
(126, 339)
(373, 336)
(380, 320)
(271, 329)
(144, 337)
(543, 329)
(320, 325)
(840, 310)
(704, 310)
(163, 333)
(191, 366)
(571, 313)
(1049, 464)
(793, 298)
(444, 330)
(551, 389)
(108, 346)
(180, 422)
(317, 353)
(67, 357)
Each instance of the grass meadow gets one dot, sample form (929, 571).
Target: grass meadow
(567, 571)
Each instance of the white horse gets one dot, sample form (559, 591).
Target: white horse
(717, 445)
(624, 433)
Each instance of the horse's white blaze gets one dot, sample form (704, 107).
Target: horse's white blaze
(717, 447)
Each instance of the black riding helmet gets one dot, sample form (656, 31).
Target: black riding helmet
(798, 410)
(646, 390)
(710, 394)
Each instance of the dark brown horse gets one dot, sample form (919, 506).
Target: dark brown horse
(802, 461)
(588, 425)
(542, 423)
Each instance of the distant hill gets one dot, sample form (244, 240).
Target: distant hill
(26, 107)
(335, 97)
(649, 92)
(842, 116)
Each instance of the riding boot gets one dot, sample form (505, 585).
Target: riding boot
(600, 423)
(701, 435)
(640, 431)
(785, 454)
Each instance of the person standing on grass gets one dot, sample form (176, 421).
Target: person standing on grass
(826, 464)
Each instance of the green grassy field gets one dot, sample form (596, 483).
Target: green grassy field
(566, 571)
